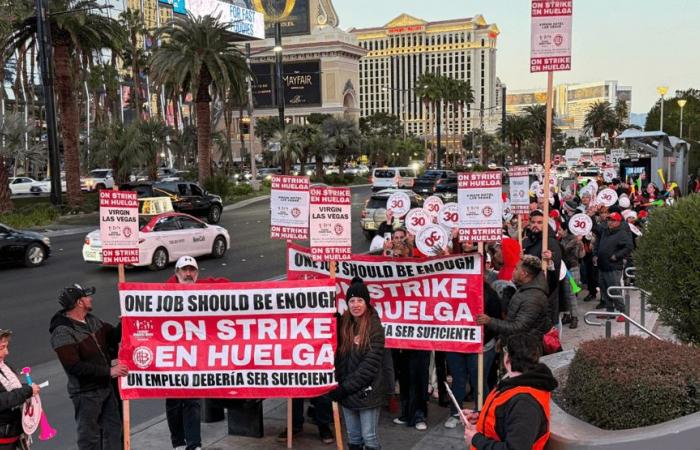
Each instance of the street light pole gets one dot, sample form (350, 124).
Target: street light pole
(278, 72)
(662, 90)
(44, 38)
(682, 103)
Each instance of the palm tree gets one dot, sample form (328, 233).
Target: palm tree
(600, 119)
(133, 55)
(290, 142)
(199, 55)
(518, 129)
(120, 148)
(77, 34)
(466, 97)
(344, 137)
(320, 145)
(622, 112)
(428, 88)
(156, 133)
(13, 130)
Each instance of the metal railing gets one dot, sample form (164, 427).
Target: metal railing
(608, 322)
(625, 296)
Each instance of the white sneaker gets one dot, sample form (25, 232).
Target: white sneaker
(452, 422)
(398, 421)
(182, 447)
(421, 426)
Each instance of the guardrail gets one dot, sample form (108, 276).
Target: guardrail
(608, 322)
(624, 295)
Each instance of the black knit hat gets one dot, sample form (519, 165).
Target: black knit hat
(358, 289)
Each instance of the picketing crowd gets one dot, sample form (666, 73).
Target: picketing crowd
(529, 294)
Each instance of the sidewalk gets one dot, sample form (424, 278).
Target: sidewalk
(155, 435)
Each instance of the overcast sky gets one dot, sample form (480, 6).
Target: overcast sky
(640, 43)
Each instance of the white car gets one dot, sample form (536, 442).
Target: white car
(165, 238)
(97, 179)
(26, 185)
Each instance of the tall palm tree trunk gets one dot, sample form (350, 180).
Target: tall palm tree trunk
(135, 70)
(5, 200)
(70, 123)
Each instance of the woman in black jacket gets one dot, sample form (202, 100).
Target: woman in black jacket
(13, 394)
(358, 368)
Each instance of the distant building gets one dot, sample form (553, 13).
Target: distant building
(571, 101)
(406, 47)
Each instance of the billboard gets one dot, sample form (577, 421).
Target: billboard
(527, 98)
(588, 93)
(301, 81)
(294, 15)
(242, 20)
(179, 6)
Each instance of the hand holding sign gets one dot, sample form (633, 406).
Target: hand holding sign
(580, 224)
(399, 203)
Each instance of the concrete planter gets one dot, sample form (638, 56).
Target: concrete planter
(570, 433)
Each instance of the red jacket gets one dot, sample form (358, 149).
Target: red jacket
(510, 248)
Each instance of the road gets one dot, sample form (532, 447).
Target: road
(30, 299)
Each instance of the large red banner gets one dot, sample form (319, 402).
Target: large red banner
(228, 340)
(424, 304)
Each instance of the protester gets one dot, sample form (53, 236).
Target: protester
(610, 251)
(532, 245)
(516, 414)
(184, 414)
(527, 309)
(82, 343)
(13, 394)
(398, 245)
(572, 252)
(358, 368)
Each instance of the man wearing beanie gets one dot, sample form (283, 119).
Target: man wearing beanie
(85, 347)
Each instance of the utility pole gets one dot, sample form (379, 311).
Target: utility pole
(251, 124)
(503, 114)
(278, 68)
(44, 38)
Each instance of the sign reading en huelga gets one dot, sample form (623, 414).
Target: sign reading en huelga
(228, 340)
(424, 304)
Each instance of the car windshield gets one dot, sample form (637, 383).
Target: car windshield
(384, 173)
(376, 202)
(143, 221)
(99, 173)
(432, 174)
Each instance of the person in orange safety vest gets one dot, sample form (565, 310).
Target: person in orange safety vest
(516, 414)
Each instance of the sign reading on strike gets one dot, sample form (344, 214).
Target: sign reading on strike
(289, 207)
(480, 206)
(119, 227)
(519, 189)
(331, 239)
(424, 304)
(551, 35)
(228, 340)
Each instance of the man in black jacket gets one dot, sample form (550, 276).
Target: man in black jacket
(609, 252)
(82, 343)
(532, 245)
(528, 309)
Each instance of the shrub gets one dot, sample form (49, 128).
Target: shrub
(219, 185)
(629, 382)
(668, 266)
(241, 189)
(30, 216)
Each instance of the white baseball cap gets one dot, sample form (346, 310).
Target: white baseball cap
(186, 261)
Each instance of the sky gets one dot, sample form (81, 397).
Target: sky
(639, 43)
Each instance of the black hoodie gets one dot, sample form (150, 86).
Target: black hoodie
(521, 421)
(85, 350)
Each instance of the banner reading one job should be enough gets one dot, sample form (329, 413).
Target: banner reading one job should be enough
(228, 340)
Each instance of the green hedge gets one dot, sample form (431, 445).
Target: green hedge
(630, 382)
(30, 216)
(668, 265)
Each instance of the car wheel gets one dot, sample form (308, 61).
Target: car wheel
(35, 190)
(219, 247)
(214, 214)
(160, 259)
(369, 235)
(34, 255)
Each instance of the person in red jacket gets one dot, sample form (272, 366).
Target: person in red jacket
(510, 251)
(184, 414)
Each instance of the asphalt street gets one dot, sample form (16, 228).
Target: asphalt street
(29, 300)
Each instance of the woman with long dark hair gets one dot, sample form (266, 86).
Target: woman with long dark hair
(358, 368)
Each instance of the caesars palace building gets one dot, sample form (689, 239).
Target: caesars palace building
(359, 72)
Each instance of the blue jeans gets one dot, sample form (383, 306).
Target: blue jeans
(184, 417)
(362, 426)
(97, 416)
(463, 366)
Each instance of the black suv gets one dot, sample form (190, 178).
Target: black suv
(186, 197)
(447, 188)
(425, 184)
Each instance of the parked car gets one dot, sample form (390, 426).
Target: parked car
(425, 184)
(97, 179)
(447, 189)
(165, 238)
(25, 247)
(266, 172)
(393, 177)
(587, 173)
(374, 211)
(26, 185)
(186, 197)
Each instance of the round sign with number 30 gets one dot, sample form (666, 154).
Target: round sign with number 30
(399, 203)
(580, 224)
(417, 219)
(430, 239)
